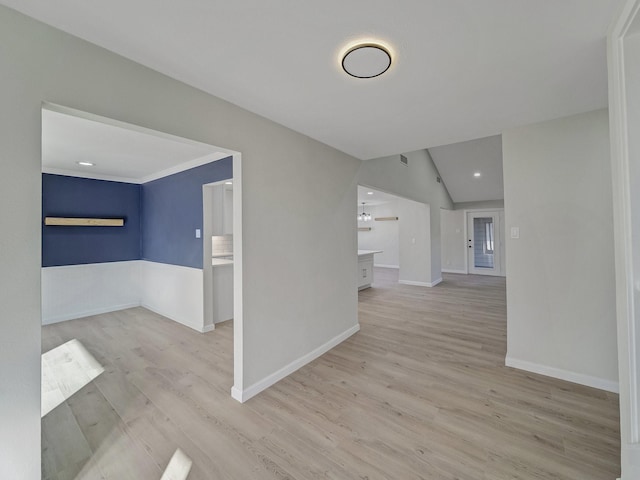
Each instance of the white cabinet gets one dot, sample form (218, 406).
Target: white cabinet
(222, 292)
(365, 272)
(222, 210)
(365, 268)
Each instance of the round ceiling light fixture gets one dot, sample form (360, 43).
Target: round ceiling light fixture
(366, 60)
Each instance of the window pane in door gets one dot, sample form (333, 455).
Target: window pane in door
(483, 242)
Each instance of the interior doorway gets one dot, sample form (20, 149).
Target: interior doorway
(395, 233)
(218, 264)
(123, 229)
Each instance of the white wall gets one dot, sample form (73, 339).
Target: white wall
(290, 228)
(76, 291)
(383, 236)
(454, 245)
(560, 278)
(415, 244)
(416, 182)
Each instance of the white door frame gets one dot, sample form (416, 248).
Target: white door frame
(628, 318)
(238, 322)
(499, 212)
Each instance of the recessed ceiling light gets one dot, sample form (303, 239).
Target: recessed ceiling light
(228, 183)
(366, 60)
(86, 164)
(369, 193)
(477, 174)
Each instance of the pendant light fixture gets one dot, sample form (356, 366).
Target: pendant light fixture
(364, 217)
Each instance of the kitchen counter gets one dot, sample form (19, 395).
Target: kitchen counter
(216, 262)
(368, 252)
(222, 254)
(365, 268)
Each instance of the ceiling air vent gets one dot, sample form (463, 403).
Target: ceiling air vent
(404, 160)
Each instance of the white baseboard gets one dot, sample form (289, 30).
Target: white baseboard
(244, 395)
(208, 328)
(385, 266)
(415, 284)
(87, 313)
(421, 284)
(170, 317)
(452, 270)
(236, 394)
(574, 377)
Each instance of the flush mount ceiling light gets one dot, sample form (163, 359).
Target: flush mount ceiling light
(366, 60)
(369, 193)
(86, 164)
(477, 174)
(364, 217)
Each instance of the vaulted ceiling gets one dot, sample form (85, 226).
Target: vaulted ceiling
(472, 170)
(462, 69)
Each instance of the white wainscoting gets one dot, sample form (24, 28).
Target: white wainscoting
(173, 291)
(76, 291)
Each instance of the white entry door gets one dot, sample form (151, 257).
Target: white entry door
(483, 243)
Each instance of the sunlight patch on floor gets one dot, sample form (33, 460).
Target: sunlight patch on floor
(178, 468)
(65, 370)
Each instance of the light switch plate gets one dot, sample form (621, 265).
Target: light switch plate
(515, 232)
(197, 233)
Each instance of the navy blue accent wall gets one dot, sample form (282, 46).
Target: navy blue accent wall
(172, 211)
(64, 196)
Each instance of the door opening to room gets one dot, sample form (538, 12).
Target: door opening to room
(394, 243)
(218, 264)
(127, 284)
(378, 238)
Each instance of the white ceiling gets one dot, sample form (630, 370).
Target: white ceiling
(118, 153)
(458, 162)
(462, 69)
(377, 198)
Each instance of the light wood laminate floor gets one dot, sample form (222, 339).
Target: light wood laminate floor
(421, 392)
